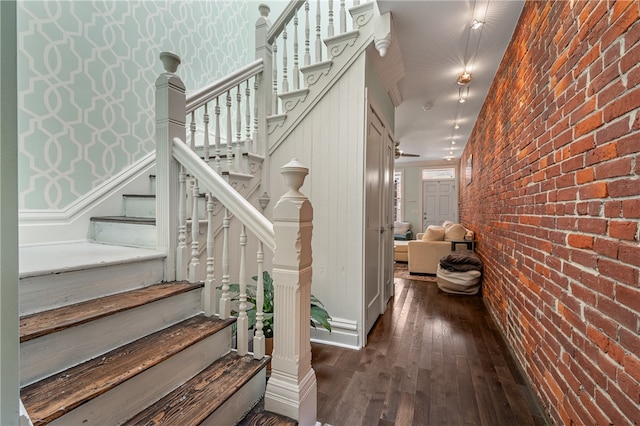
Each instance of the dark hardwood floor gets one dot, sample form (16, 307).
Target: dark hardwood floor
(431, 359)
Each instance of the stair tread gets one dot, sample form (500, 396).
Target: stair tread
(125, 219)
(60, 393)
(195, 400)
(47, 322)
(258, 416)
(140, 195)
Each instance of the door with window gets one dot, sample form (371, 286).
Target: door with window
(439, 201)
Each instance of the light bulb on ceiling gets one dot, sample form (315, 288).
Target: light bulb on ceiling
(453, 142)
(456, 126)
(464, 78)
(476, 24)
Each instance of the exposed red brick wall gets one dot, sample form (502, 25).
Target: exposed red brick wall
(555, 202)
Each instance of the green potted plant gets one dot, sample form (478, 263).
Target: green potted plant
(319, 315)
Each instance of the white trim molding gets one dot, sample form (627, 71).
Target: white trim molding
(72, 223)
(344, 333)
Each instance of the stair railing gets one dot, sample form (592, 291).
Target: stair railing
(233, 102)
(313, 22)
(292, 387)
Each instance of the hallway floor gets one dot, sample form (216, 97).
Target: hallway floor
(431, 359)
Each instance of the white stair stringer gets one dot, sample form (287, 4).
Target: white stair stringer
(346, 49)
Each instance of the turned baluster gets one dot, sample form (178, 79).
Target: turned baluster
(181, 252)
(318, 36)
(229, 135)
(275, 76)
(239, 141)
(247, 122)
(210, 280)
(206, 133)
(285, 80)
(258, 338)
(192, 128)
(307, 35)
(343, 17)
(218, 153)
(225, 299)
(194, 266)
(330, 29)
(243, 321)
(256, 109)
(296, 68)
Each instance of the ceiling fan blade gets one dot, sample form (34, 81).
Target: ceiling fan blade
(406, 154)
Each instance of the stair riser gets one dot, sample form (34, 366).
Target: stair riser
(125, 234)
(139, 206)
(232, 411)
(124, 401)
(43, 292)
(50, 354)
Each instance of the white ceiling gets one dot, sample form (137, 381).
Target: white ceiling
(433, 36)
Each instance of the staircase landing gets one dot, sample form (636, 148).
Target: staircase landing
(65, 257)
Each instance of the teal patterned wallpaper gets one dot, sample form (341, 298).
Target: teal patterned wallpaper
(86, 83)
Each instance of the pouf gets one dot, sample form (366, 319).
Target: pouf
(459, 273)
(458, 282)
(401, 251)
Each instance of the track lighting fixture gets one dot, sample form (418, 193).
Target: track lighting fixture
(476, 24)
(464, 78)
(462, 97)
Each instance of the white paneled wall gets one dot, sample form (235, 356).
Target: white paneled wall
(330, 142)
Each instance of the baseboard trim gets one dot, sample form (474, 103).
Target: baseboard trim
(95, 195)
(344, 333)
(72, 222)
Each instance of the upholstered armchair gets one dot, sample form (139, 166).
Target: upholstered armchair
(402, 231)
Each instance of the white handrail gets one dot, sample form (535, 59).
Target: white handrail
(286, 16)
(214, 183)
(206, 94)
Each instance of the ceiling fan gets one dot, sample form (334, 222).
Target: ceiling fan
(400, 153)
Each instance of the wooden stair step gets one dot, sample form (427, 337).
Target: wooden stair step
(125, 219)
(191, 403)
(267, 418)
(258, 416)
(139, 195)
(60, 393)
(47, 322)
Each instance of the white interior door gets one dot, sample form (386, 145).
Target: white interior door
(374, 220)
(387, 244)
(439, 202)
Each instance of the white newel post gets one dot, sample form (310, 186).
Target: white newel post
(170, 123)
(264, 94)
(291, 389)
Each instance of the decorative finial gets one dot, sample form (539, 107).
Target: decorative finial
(294, 173)
(264, 200)
(382, 44)
(170, 61)
(264, 9)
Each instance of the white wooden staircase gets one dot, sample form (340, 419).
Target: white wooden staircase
(125, 340)
(107, 339)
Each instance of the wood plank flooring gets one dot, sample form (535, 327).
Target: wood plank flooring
(431, 359)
